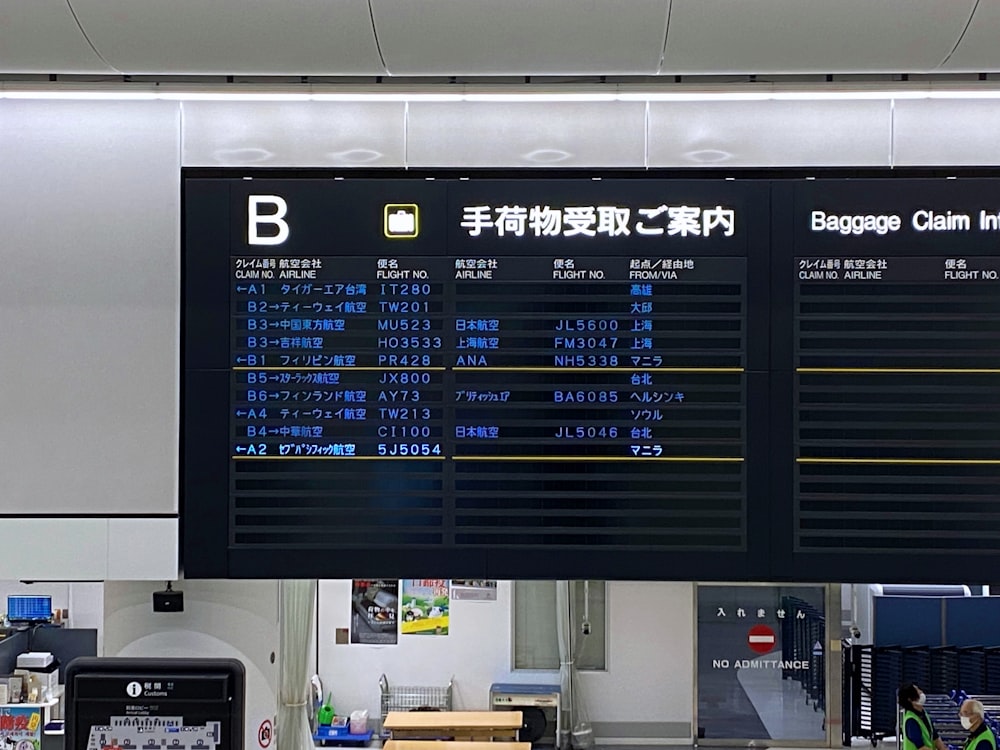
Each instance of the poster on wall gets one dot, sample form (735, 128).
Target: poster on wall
(761, 663)
(425, 606)
(374, 610)
(20, 728)
(474, 591)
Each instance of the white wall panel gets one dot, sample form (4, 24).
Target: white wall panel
(792, 36)
(769, 133)
(520, 37)
(89, 289)
(143, 549)
(526, 134)
(233, 37)
(41, 36)
(54, 549)
(294, 134)
(650, 674)
(946, 132)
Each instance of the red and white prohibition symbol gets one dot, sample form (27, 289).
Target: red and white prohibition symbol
(761, 639)
(265, 733)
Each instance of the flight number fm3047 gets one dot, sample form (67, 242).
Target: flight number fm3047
(585, 342)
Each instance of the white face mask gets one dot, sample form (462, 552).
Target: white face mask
(966, 722)
(920, 699)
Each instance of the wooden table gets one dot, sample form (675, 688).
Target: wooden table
(455, 745)
(472, 726)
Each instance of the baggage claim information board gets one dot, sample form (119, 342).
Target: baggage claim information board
(501, 378)
(887, 378)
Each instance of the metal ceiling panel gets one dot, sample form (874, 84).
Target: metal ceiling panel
(296, 134)
(792, 36)
(770, 134)
(525, 134)
(520, 37)
(978, 51)
(946, 132)
(233, 37)
(90, 191)
(41, 36)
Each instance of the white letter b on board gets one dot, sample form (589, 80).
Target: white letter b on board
(275, 218)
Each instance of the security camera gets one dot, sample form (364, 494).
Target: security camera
(585, 628)
(855, 631)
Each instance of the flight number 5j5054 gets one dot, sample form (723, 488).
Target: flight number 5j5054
(409, 449)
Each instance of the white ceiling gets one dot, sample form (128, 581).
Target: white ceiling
(813, 36)
(497, 37)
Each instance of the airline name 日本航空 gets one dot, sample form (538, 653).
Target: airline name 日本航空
(921, 220)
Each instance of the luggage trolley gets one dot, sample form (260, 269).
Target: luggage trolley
(413, 698)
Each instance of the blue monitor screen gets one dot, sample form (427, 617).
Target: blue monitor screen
(29, 608)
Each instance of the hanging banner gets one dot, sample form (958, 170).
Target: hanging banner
(761, 665)
(374, 611)
(425, 606)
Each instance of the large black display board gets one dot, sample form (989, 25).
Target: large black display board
(615, 378)
(886, 344)
(504, 378)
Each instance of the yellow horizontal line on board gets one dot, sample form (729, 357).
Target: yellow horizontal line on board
(499, 369)
(338, 458)
(697, 459)
(907, 370)
(369, 369)
(927, 461)
(621, 368)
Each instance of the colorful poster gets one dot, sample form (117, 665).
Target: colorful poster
(474, 591)
(21, 727)
(374, 610)
(425, 606)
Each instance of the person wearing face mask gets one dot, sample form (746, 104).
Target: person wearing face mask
(972, 716)
(918, 730)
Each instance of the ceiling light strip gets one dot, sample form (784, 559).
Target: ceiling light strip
(310, 93)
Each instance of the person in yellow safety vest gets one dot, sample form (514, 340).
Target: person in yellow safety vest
(972, 716)
(918, 731)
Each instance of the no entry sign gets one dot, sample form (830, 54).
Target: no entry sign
(761, 639)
